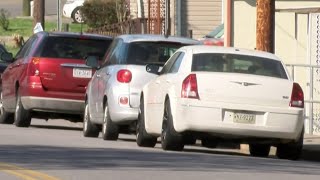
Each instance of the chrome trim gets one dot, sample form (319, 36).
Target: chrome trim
(74, 65)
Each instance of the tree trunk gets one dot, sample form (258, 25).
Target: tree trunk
(38, 13)
(265, 25)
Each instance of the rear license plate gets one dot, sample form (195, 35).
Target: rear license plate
(244, 118)
(82, 73)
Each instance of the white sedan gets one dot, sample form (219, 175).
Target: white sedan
(71, 9)
(217, 94)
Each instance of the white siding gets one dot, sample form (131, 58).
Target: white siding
(200, 16)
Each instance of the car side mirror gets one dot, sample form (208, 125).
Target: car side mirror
(93, 62)
(153, 68)
(7, 57)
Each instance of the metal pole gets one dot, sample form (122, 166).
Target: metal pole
(178, 18)
(311, 103)
(58, 15)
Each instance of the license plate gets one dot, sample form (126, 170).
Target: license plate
(244, 118)
(82, 73)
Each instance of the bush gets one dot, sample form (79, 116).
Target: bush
(4, 19)
(97, 13)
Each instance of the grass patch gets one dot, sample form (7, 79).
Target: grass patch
(24, 27)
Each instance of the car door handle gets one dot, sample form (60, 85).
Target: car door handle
(98, 75)
(157, 82)
(168, 81)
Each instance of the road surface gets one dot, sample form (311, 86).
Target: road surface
(56, 150)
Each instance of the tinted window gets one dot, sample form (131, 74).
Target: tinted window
(176, 65)
(214, 62)
(74, 48)
(170, 63)
(142, 53)
(24, 50)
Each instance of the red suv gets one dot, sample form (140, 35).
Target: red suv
(48, 77)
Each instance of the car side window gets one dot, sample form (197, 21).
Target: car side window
(115, 53)
(25, 49)
(167, 66)
(110, 52)
(176, 65)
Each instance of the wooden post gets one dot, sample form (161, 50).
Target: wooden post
(265, 25)
(38, 13)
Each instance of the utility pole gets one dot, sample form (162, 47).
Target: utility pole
(38, 13)
(265, 25)
(26, 8)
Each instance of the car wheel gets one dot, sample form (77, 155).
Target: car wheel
(259, 150)
(5, 117)
(22, 117)
(170, 139)
(110, 131)
(76, 16)
(291, 151)
(89, 129)
(143, 138)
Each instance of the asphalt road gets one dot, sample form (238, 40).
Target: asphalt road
(15, 7)
(56, 150)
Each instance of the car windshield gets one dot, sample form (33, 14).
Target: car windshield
(235, 63)
(142, 53)
(74, 48)
(218, 32)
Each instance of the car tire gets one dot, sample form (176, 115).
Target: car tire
(5, 117)
(170, 139)
(110, 131)
(22, 117)
(89, 129)
(76, 15)
(143, 138)
(291, 151)
(259, 150)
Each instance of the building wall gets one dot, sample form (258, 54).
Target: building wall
(200, 16)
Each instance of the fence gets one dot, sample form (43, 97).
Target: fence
(312, 110)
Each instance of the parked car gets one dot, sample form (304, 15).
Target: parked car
(3, 64)
(71, 9)
(48, 77)
(113, 94)
(216, 94)
(215, 37)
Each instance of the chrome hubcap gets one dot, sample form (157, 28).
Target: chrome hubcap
(104, 127)
(85, 122)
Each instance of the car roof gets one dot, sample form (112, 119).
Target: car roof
(75, 35)
(128, 38)
(196, 49)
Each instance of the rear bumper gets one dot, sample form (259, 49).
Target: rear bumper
(53, 104)
(270, 122)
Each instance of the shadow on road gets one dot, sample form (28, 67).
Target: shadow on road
(311, 152)
(63, 158)
(57, 127)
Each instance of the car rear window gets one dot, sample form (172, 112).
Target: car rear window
(235, 63)
(142, 53)
(74, 48)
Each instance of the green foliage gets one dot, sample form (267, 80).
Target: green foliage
(97, 13)
(4, 19)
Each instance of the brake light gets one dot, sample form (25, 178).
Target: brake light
(124, 76)
(190, 87)
(297, 98)
(34, 67)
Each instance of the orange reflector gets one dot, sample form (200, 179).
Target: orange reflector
(35, 60)
(124, 100)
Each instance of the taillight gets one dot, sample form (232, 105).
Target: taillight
(190, 87)
(124, 76)
(34, 67)
(297, 98)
